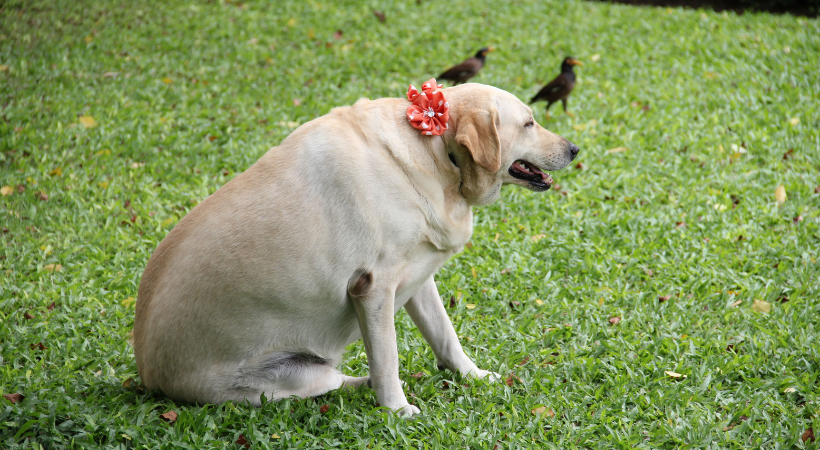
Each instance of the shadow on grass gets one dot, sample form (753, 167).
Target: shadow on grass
(807, 8)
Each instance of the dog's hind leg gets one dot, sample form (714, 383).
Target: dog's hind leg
(285, 374)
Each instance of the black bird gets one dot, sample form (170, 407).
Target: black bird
(560, 87)
(467, 69)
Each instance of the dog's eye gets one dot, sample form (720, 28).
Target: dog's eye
(529, 124)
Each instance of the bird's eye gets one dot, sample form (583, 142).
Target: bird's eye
(529, 124)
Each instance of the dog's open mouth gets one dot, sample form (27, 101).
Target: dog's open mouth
(538, 179)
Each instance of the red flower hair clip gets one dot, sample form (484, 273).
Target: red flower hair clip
(430, 110)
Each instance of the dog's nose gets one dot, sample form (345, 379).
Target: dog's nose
(573, 150)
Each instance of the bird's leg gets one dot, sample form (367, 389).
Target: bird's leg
(547, 111)
(564, 104)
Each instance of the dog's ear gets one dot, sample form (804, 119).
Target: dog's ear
(478, 132)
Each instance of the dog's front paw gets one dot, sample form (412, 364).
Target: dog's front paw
(490, 376)
(407, 411)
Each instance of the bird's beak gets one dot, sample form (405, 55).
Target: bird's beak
(575, 62)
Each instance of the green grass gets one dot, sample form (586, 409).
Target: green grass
(203, 89)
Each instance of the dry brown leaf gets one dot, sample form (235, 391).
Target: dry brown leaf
(28, 316)
(337, 35)
(167, 80)
(52, 306)
(615, 320)
(736, 303)
(543, 411)
(127, 383)
(38, 346)
(88, 122)
(297, 102)
(663, 298)
(6, 191)
(110, 74)
(53, 267)
(380, 15)
(617, 150)
(452, 301)
(524, 361)
(780, 194)
(14, 398)
(538, 237)
(417, 375)
(808, 435)
(243, 442)
(170, 416)
(324, 409)
(41, 195)
(761, 306)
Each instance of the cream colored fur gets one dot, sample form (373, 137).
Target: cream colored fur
(260, 287)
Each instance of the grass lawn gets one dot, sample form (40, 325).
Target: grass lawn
(118, 119)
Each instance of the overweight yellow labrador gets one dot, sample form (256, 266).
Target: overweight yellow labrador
(260, 288)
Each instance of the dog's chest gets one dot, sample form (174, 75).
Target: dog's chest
(424, 263)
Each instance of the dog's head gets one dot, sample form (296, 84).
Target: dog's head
(494, 140)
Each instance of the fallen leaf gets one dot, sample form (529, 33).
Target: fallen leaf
(52, 306)
(103, 184)
(337, 35)
(595, 57)
(674, 375)
(417, 375)
(761, 306)
(788, 155)
(88, 122)
(38, 346)
(311, 34)
(253, 41)
(128, 302)
(524, 361)
(580, 166)
(601, 301)
(663, 298)
(780, 194)
(615, 320)
(292, 22)
(167, 80)
(452, 301)
(617, 150)
(53, 267)
(14, 398)
(274, 436)
(783, 299)
(127, 383)
(470, 305)
(89, 39)
(6, 191)
(808, 435)
(57, 172)
(649, 273)
(817, 190)
(790, 390)
(297, 102)
(472, 271)
(794, 120)
(514, 304)
(511, 380)
(110, 74)
(4, 68)
(736, 303)
(798, 219)
(539, 302)
(212, 138)
(380, 16)
(543, 411)
(243, 442)
(170, 416)
(28, 316)
(324, 409)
